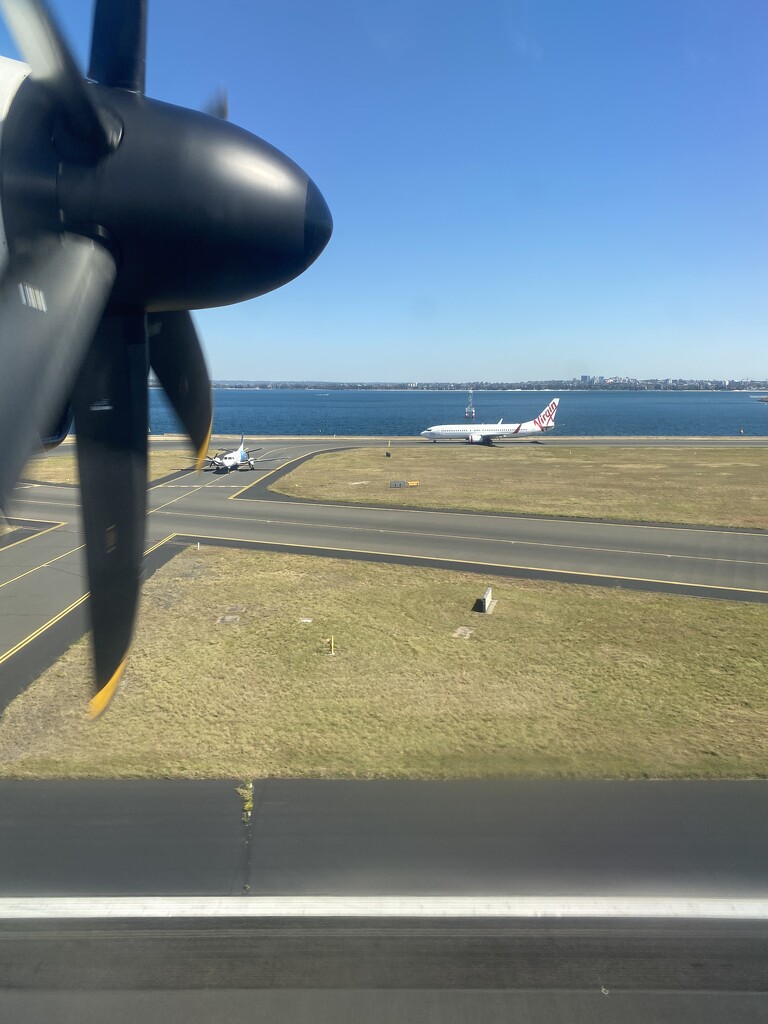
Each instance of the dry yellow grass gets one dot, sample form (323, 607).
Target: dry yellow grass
(559, 681)
(61, 467)
(703, 486)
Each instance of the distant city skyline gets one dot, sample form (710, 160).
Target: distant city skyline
(574, 383)
(528, 190)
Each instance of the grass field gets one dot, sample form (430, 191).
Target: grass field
(61, 468)
(559, 681)
(703, 486)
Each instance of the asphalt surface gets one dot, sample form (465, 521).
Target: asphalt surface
(532, 837)
(384, 955)
(382, 1006)
(535, 837)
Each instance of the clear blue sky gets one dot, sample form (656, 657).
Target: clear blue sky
(520, 189)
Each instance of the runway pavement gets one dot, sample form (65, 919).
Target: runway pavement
(468, 845)
(553, 845)
(382, 838)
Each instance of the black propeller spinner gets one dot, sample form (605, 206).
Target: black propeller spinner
(119, 214)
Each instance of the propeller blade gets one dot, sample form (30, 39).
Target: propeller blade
(177, 359)
(218, 105)
(51, 299)
(119, 44)
(46, 51)
(110, 406)
(58, 429)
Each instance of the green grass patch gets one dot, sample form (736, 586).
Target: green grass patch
(701, 486)
(61, 468)
(559, 681)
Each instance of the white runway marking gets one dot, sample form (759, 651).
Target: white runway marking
(430, 907)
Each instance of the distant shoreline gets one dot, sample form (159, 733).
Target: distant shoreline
(279, 386)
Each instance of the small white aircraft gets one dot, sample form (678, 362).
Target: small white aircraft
(238, 459)
(484, 433)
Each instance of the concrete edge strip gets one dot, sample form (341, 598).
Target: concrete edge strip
(427, 907)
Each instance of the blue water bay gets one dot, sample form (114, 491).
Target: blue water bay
(405, 413)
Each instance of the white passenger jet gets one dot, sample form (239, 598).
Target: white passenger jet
(484, 433)
(240, 458)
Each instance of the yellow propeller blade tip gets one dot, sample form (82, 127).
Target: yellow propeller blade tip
(98, 703)
(204, 448)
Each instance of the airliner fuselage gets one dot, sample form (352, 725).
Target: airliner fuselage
(485, 433)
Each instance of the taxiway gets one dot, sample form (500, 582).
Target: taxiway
(42, 574)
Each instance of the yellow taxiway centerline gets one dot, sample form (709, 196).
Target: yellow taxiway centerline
(575, 520)
(309, 548)
(278, 469)
(41, 629)
(462, 537)
(75, 604)
(43, 565)
(39, 533)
